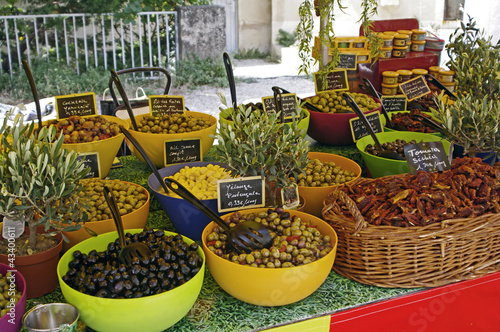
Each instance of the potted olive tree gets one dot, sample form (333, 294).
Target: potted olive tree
(472, 121)
(39, 189)
(256, 143)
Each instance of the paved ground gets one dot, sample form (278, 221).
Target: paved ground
(259, 77)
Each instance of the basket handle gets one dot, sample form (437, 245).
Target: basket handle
(338, 194)
(137, 93)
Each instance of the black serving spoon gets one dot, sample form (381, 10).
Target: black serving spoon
(31, 80)
(431, 79)
(230, 78)
(121, 90)
(244, 237)
(383, 152)
(368, 87)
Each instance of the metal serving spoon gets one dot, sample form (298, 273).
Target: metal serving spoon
(383, 152)
(245, 236)
(230, 78)
(132, 250)
(31, 80)
(123, 94)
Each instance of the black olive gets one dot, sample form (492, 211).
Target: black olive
(179, 275)
(134, 280)
(77, 254)
(91, 288)
(167, 255)
(165, 283)
(174, 266)
(146, 291)
(195, 270)
(122, 268)
(193, 246)
(185, 269)
(74, 264)
(153, 283)
(164, 267)
(102, 293)
(127, 284)
(117, 276)
(144, 261)
(161, 275)
(170, 274)
(153, 268)
(159, 233)
(179, 253)
(144, 271)
(128, 294)
(103, 284)
(137, 295)
(135, 269)
(71, 272)
(118, 287)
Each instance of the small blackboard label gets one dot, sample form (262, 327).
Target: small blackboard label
(182, 151)
(165, 105)
(91, 160)
(288, 102)
(395, 103)
(358, 128)
(348, 61)
(290, 196)
(244, 192)
(82, 104)
(336, 80)
(426, 156)
(415, 88)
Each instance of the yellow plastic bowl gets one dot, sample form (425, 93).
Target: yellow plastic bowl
(153, 144)
(303, 124)
(271, 287)
(378, 166)
(314, 196)
(151, 313)
(107, 148)
(132, 220)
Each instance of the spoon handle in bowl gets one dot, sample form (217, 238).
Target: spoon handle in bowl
(143, 153)
(230, 78)
(31, 80)
(182, 191)
(116, 214)
(121, 90)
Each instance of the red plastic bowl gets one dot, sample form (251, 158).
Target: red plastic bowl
(332, 128)
(19, 308)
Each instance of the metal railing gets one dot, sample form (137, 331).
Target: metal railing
(86, 40)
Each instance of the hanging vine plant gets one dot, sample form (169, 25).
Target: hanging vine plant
(325, 9)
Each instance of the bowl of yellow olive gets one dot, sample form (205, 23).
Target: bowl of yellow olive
(323, 172)
(99, 135)
(297, 263)
(331, 125)
(153, 131)
(133, 204)
(12, 299)
(201, 179)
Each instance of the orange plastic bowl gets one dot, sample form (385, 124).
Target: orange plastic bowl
(314, 196)
(267, 286)
(133, 220)
(332, 128)
(107, 148)
(153, 144)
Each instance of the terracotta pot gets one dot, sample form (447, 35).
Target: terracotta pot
(39, 270)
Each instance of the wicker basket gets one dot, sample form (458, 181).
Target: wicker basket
(420, 256)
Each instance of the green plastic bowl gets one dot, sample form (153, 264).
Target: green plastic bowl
(378, 166)
(384, 122)
(303, 124)
(151, 313)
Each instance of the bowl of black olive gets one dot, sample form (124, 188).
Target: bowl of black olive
(150, 294)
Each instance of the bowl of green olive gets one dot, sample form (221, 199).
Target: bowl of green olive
(323, 172)
(99, 135)
(12, 291)
(151, 294)
(331, 125)
(225, 116)
(294, 267)
(153, 131)
(132, 199)
(393, 141)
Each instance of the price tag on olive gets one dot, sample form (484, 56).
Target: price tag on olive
(91, 160)
(82, 104)
(426, 156)
(243, 192)
(335, 80)
(165, 105)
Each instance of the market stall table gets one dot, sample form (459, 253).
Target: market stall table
(339, 304)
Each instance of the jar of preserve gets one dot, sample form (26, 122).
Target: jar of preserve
(404, 75)
(399, 52)
(390, 77)
(387, 39)
(400, 40)
(408, 33)
(418, 71)
(385, 52)
(418, 35)
(389, 89)
(434, 71)
(450, 86)
(418, 46)
(445, 76)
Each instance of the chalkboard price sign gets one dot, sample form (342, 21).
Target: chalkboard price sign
(244, 192)
(415, 88)
(335, 80)
(426, 156)
(182, 151)
(358, 129)
(394, 103)
(165, 105)
(348, 61)
(82, 104)
(91, 160)
(288, 102)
